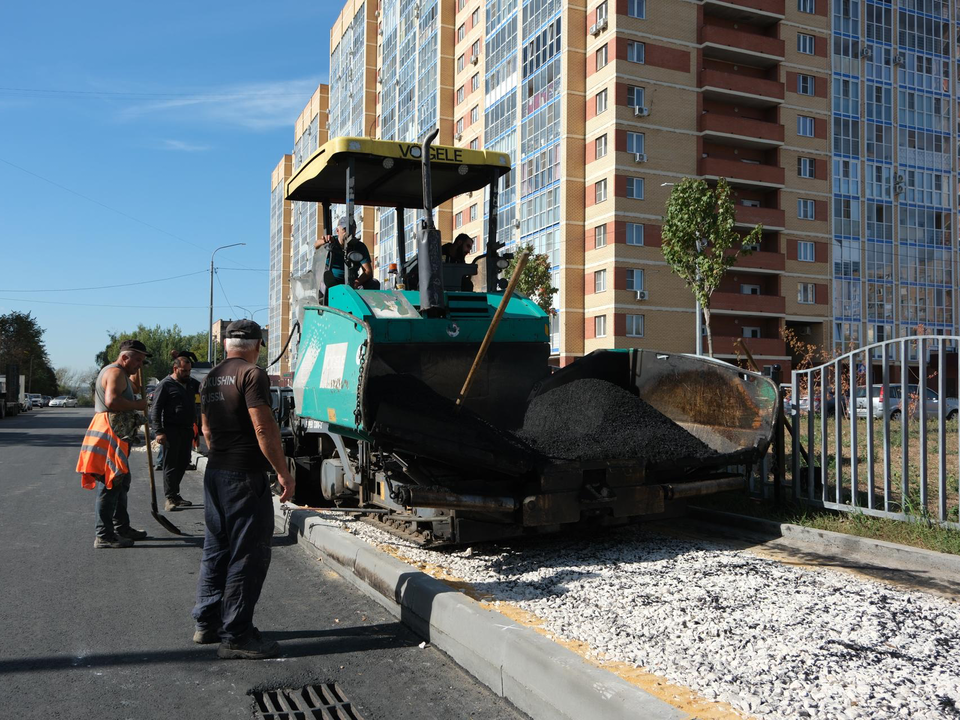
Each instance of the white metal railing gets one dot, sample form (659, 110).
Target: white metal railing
(857, 386)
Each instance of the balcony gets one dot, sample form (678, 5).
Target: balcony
(743, 132)
(770, 218)
(752, 304)
(771, 347)
(769, 261)
(754, 12)
(741, 173)
(742, 89)
(740, 47)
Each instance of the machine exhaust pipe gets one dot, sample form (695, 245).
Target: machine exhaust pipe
(703, 487)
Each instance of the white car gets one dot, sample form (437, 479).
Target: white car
(63, 401)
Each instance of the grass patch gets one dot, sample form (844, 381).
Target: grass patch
(928, 536)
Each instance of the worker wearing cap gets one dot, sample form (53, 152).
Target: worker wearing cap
(173, 415)
(114, 395)
(244, 442)
(345, 241)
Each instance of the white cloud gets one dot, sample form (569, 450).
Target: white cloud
(181, 146)
(254, 106)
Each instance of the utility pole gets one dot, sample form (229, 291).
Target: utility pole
(210, 325)
(30, 376)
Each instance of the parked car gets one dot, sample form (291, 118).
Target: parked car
(71, 402)
(26, 404)
(893, 404)
(63, 401)
(36, 399)
(46, 400)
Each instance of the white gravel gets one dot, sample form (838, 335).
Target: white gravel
(772, 640)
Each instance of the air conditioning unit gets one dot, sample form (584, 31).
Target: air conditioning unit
(900, 178)
(475, 59)
(752, 247)
(642, 295)
(595, 29)
(866, 52)
(602, 24)
(898, 188)
(640, 157)
(899, 59)
(458, 136)
(640, 111)
(516, 223)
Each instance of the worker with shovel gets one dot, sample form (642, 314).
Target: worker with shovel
(103, 462)
(173, 415)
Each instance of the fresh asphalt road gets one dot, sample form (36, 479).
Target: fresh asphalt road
(106, 634)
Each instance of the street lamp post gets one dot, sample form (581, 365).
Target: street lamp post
(210, 326)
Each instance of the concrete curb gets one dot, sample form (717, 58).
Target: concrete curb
(879, 553)
(541, 678)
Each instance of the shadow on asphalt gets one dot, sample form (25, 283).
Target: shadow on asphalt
(41, 440)
(334, 641)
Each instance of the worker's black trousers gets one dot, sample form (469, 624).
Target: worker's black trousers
(176, 457)
(238, 512)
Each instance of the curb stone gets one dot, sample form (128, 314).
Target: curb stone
(540, 677)
(941, 568)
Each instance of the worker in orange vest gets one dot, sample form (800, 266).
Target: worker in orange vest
(103, 461)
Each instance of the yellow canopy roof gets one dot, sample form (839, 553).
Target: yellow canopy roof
(389, 174)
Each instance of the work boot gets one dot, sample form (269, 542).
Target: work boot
(181, 502)
(131, 534)
(204, 635)
(254, 647)
(102, 543)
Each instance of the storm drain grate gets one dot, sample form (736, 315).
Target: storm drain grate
(312, 702)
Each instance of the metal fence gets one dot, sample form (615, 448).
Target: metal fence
(874, 431)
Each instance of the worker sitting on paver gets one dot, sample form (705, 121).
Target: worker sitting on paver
(338, 250)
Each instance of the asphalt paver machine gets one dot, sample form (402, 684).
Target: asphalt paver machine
(375, 426)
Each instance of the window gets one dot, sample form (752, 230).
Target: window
(807, 6)
(458, 219)
(459, 126)
(805, 44)
(635, 142)
(475, 114)
(601, 57)
(749, 289)
(751, 332)
(806, 251)
(601, 101)
(804, 126)
(473, 212)
(461, 32)
(634, 325)
(805, 84)
(806, 293)
(600, 236)
(600, 191)
(600, 281)
(635, 188)
(635, 51)
(600, 146)
(635, 96)
(806, 167)
(460, 4)
(602, 12)
(475, 144)
(475, 50)
(475, 18)
(459, 94)
(634, 279)
(634, 234)
(637, 9)
(475, 83)
(460, 63)
(600, 326)
(805, 210)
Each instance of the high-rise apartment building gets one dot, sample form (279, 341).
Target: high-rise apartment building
(310, 132)
(281, 226)
(894, 189)
(832, 122)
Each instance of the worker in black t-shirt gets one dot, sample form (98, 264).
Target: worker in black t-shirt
(244, 442)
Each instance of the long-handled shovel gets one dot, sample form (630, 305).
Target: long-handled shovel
(167, 525)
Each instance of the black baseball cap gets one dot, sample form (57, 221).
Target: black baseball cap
(135, 345)
(244, 330)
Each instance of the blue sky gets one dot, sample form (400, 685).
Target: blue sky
(134, 139)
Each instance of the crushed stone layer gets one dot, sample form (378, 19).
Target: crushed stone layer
(769, 639)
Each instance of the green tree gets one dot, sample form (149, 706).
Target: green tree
(159, 341)
(536, 279)
(700, 242)
(21, 343)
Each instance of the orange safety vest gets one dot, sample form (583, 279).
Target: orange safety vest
(102, 454)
